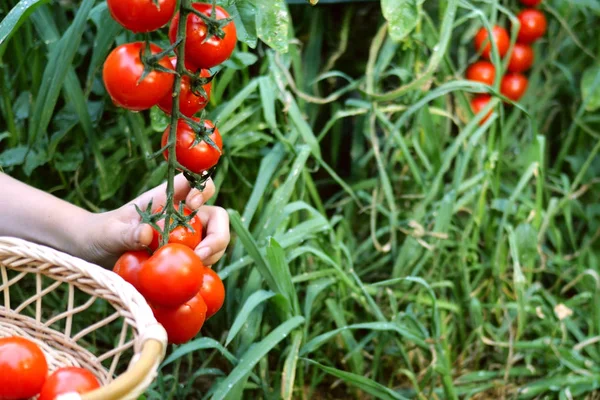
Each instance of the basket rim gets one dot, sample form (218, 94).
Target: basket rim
(151, 341)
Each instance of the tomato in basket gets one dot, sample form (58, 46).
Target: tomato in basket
(23, 368)
(68, 380)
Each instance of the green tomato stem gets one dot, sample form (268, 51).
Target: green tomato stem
(175, 115)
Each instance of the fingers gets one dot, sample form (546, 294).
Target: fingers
(158, 195)
(216, 223)
(195, 198)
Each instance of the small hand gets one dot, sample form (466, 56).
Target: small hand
(114, 232)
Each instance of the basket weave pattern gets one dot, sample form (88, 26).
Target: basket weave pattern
(36, 281)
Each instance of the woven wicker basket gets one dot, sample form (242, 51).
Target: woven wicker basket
(43, 292)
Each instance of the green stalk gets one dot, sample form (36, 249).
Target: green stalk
(184, 7)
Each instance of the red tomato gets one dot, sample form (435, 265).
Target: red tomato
(530, 3)
(184, 322)
(142, 15)
(122, 70)
(521, 58)
(68, 380)
(180, 234)
(200, 157)
(482, 71)
(212, 291)
(478, 103)
(172, 276)
(198, 52)
(23, 368)
(501, 39)
(513, 86)
(189, 103)
(533, 25)
(129, 264)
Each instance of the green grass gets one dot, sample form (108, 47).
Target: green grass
(385, 244)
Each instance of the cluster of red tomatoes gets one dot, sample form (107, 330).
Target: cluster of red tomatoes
(181, 291)
(514, 83)
(24, 373)
(139, 76)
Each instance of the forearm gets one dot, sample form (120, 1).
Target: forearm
(34, 215)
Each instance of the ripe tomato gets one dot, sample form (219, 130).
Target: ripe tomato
(189, 103)
(521, 59)
(184, 322)
(122, 70)
(533, 25)
(172, 276)
(482, 71)
(142, 15)
(180, 234)
(530, 3)
(129, 264)
(513, 86)
(23, 368)
(198, 52)
(212, 291)
(200, 157)
(478, 103)
(483, 44)
(68, 380)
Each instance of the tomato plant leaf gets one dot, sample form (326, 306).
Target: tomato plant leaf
(12, 157)
(244, 17)
(272, 23)
(590, 88)
(402, 16)
(17, 15)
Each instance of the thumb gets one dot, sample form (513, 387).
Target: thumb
(134, 236)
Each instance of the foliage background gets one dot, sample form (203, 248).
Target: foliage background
(386, 245)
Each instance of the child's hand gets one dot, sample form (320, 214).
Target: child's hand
(112, 233)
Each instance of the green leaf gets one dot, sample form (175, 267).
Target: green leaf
(17, 15)
(253, 301)
(244, 18)
(195, 345)
(12, 157)
(55, 73)
(590, 88)
(272, 23)
(402, 16)
(254, 355)
(288, 376)
(365, 384)
(281, 273)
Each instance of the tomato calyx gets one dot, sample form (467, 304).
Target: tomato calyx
(198, 181)
(151, 61)
(197, 82)
(177, 218)
(203, 133)
(214, 27)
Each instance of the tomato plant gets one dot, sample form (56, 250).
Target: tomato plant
(142, 15)
(521, 58)
(500, 37)
(129, 264)
(198, 157)
(68, 380)
(23, 368)
(171, 276)
(513, 86)
(122, 72)
(180, 234)
(190, 100)
(184, 322)
(200, 51)
(212, 290)
(533, 25)
(478, 103)
(482, 71)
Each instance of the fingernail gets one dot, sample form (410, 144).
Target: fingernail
(204, 253)
(138, 234)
